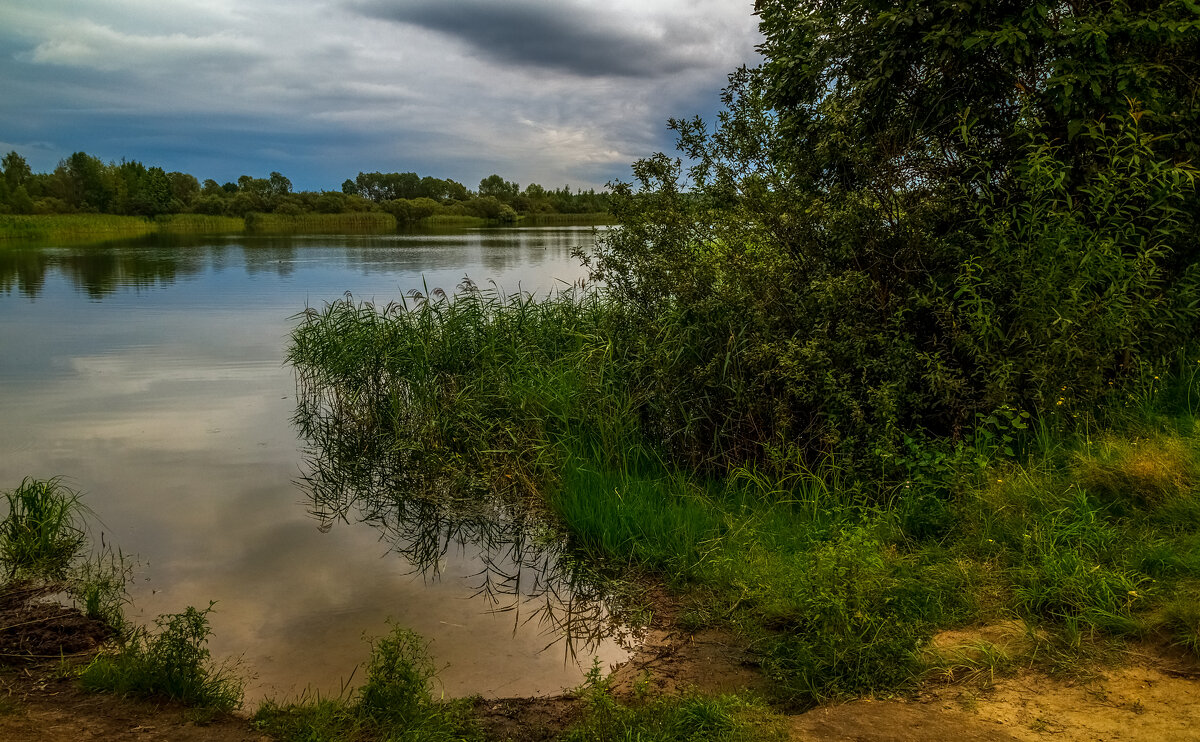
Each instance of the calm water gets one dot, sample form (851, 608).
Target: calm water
(150, 375)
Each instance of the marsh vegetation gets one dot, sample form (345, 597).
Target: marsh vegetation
(854, 377)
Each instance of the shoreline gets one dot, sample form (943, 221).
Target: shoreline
(1141, 693)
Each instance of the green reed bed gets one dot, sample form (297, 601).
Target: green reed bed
(72, 227)
(198, 224)
(1085, 532)
(550, 220)
(42, 533)
(367, 222)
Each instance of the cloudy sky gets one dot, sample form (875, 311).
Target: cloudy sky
(547, 91)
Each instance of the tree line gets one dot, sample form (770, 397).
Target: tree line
(83, 183)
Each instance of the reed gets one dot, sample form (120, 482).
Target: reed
(361, 222)
(72, 227)
(198, 224)
(838, 575)
(43, 532)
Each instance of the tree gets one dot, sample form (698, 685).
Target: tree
(153, 195)
(16, 170)
(279, 185)
(184, 188)
(498, 188)
(912, 214)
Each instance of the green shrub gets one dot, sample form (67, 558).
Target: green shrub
(42, 533)
(170, 662)
(394, 703)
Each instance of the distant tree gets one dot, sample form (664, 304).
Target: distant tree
(16, 170)
(184, 188)
(330, 202)
(83, 183)
(499, 188)
(153, 195)
(456, 191)
(19, 201)
(279, 185)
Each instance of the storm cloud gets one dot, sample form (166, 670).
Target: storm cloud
(552, 34)
(554, 92)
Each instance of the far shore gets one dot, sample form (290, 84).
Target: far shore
(84, 227)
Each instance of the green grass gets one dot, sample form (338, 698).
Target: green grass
(171, 662)
(394, 703)
(72, 227)
(537, 220)
(453, 220)
(686, 717)
(198, 224)
(43, 531)
(1083, 527)
(369, 222)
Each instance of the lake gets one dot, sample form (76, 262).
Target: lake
(150, 375)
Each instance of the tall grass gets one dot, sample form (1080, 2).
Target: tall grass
(837, 577)
(43, 531)
(171, 662)
(367, 222)
(394, 702)
(72, 227)
(589, 218)
(689, 717)
(198, 224)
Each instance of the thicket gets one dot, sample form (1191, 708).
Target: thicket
(908, 217)
(901, 343)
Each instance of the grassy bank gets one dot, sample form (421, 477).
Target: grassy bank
(96, 227)
(553, 220)
(1082, 525)
(368, 222)
(198, 224)
(72, 227)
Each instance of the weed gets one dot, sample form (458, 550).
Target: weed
(171, 662)
(683, 718)
(393, 703)
(42, 533)
(1147, 472)
(98, 587)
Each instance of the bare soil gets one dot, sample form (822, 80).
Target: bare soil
(1153, 696)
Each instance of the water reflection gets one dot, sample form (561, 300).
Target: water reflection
(354, 472)
(150, 373)
(103, 269)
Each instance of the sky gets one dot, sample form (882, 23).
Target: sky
(557, 92)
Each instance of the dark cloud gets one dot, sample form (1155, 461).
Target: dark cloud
(553, 35)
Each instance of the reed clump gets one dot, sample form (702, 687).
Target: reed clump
(361, 222)
(74, 227)
(394, 702)
(838, 577)
(199, 224)
(43, 531)
(171, 662)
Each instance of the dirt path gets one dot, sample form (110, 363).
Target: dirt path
(35, 707)
(1154, 697)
